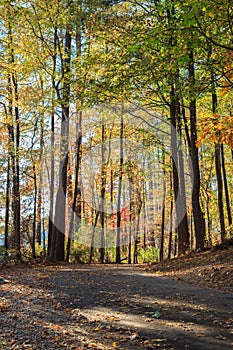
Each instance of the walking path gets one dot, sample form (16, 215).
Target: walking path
(107, 307)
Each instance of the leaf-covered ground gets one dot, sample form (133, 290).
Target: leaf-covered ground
(166, 306)
(212, 269)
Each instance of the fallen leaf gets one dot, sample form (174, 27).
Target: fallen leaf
(134, 336)
(157, 314)
(220, 337)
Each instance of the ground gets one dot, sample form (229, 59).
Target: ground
(211, 268)
(183, 303)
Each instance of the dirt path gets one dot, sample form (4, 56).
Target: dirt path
(107, 307)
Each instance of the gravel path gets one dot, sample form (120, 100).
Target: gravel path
(107, 307)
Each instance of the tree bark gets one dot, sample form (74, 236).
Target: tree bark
(227, 198)
(58, 235)
(130, 218)
(14, 129)
(199, 221)
(217, 149)
(220, 190)
(102, 196)
(7, 206)
(51, 229)
(93, 237)
(170, 220)
(51, 187)
(76, 204)
(118, 242)
(180, 201)
(161, 251)
(34, 214)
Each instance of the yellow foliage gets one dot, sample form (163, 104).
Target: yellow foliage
(216, 129)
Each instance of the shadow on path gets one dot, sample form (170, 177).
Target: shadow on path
(124, 301)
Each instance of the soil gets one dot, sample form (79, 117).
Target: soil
(183, 303)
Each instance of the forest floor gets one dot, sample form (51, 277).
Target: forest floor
(184, 303)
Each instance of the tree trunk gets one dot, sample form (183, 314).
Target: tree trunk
(228, 205)
(51, 187)
(180, 202)
(199, 221)
(130, 218)
(217, 149)
(170, 219)
(138, 202)
(93, 237)
(7, 206)
(34, 214)
(209, 222)
(76, 204)
(220, 190)
(17, 174)
(118, 248)
(15, 141)
(102, 196)
(51, 229)
(161, 251)
(39, 212)
(58, 234)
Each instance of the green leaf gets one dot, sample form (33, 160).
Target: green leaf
(157, 314)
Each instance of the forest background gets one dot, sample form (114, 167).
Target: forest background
(116, 128)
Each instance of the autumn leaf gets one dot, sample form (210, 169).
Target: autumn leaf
(56, 327)
(4, 307)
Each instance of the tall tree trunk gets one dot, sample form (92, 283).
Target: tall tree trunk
(58, 235)
(209, 222)
(39, 200)
(17, 177)
(199, 221)
(51, 187)
(93, 237)
(138, 202)
(228, 205)
(217, 149)
(39, 212)
(220, 190)
(171, 220)
(95, 213)
(144, 204)
(118, 248)
(76, 204)
(180, 202)
(43, 236)
(102, 196)
(7, 206)
(130, 218)
(15, 141)
(161, 251)
(34, 214)
(179, 194)
(176, 243)
(51, 229)
(7, 199)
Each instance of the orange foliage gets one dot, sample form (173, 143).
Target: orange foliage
(217, 129)
(228, 76)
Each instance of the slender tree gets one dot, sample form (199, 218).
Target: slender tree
(118, 241)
